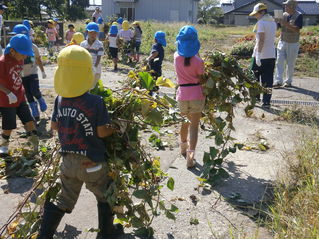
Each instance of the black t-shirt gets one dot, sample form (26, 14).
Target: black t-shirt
(156, 64)
(78, 119)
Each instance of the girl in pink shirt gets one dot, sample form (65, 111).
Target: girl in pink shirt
(52, 35)
(69, 33)
(189, 67)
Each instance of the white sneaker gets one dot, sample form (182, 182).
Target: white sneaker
(4, 147)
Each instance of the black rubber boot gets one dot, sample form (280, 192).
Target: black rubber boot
(51, 218)
(108, 230)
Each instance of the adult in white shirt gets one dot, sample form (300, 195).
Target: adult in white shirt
(96, 15)
(264, 51)
(2, 8)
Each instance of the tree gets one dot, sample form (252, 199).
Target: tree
(76, 9)
(209, 11)
(31, 9)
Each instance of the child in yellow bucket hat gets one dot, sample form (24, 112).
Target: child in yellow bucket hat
(137, 39)
(77, 38)
(81, 120)
(127, 35)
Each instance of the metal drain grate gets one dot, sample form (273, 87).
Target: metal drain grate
(294, 102)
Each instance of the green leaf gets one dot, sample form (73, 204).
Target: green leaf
(218, 161)
(213, 152)
(206, 158)
(174, 208)
(141, 194)
(238, 145)
(194, 221)
(219, 139)
(202, 179)
(170, 100)
(136, 222)
(162, 205)
(170, 215)
(246, 84)
(147, 81)
(210, 83)
(170, 184)
(232, 149)
(223, 173)
(155, 117)
(144, 232)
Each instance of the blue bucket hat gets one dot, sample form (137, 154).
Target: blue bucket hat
(21, 44)
(27, 24)
(20, 29)
(56, 19)
(188, 44)
(92, 27)
(114, 30)
(100, 20)
(120, 20)
(160, 37)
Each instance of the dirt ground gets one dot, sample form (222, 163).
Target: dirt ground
(224, 210)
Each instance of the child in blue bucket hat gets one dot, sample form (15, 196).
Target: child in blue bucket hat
(113, 44)
(119, 23)
(191, 100)
(30, 77)
(101, 28)
(157, 53)
(12, 99)
(156, 57)
(96, 49)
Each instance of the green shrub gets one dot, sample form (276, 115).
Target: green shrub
(243, 49)
(40, 39)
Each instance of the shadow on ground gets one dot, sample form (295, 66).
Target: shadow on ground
(249, 195)
(295, 89)
(18, 185)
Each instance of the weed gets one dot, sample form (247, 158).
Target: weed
(296, 204)
(306, 116)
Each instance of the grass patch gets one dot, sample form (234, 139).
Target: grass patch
(307, 65)
(295, 114)
(213, 38)
(295, 212)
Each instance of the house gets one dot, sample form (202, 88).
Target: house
(160, 10)
(236, 13)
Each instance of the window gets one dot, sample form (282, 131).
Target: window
(128, 13)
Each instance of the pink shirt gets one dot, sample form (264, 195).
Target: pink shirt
(51, 33)
(189, 75)
(69, 34)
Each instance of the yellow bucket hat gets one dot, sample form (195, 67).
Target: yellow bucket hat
(115, 24)
(77, 38)
(257, 8)
(136, 23)
(74, 75)
(125, 25)
(50, 21)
